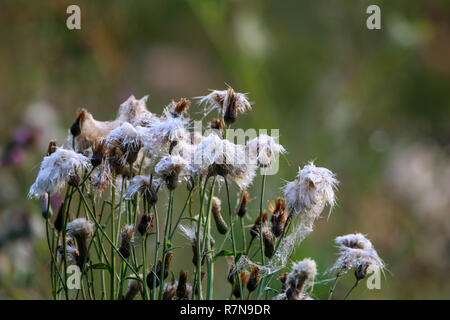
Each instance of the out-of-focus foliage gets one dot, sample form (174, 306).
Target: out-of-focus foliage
(373, 106)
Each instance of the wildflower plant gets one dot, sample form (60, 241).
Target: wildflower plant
(117, 175)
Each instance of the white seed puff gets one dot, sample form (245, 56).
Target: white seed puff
(312, 189)
(56, 170)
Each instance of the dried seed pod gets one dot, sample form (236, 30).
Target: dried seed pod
(134, 287)
(182, 289)
(269, 245)
(51, 147)
(243, 205)
(221, 225)
(300, 277)
(126, 235)
(362, 270)
(98, 152)
(167, 260)
(230, 107)
(279, 217)
(45, 205)
(217, 124)
(254, 230)
(244, 275)
(195, 255)
(170, 291)
(181, 107)
(230, 275)
(146, 223)
(282, 277)
(75, 128)
(151, 276)
(255, 275)
(81, 229)
(74, 179)
(170, 168)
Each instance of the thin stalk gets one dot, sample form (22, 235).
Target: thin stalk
(244, 245)
(233, 240)
(113, 235)
(164, 251)
(106, 235)
(334, 285)
(144, 263)
(207, 242)
(261, 201)
(172, 233)
(351, 289)
(198, 244)
(155, 260)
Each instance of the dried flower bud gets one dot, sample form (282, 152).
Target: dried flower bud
(180, 107)
(300, 278)
(254, 230)
(134, 287)
(183, 291)
(45, 204)
(195, 255)
(269, 246)
(98, 152)
(221, 225)
(243, 205)
(81, 229)
(146, 223)
(217, 124)
(75, 128)
(282, 277)
(279, 217)
(126, 235)
(170, 290)
(230, 108)
(167, 260)
(151, 276)
(170, 168)
(244, 275)
(255, 275)
(230, 275)
(74, 179)
(361, 271)
(51, 147)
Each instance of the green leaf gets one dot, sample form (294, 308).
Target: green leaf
(101, 266)
(223, 253)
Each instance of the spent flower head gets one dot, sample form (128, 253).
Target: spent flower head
(61, 167)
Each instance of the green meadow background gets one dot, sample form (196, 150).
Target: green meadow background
(371, 105)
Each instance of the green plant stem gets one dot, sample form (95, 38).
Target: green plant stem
(198, 243)
(261, 201)
(233, 240)
(334, 285)
(207, 242)
(144, 263)
(105, 234)
(155, 260)
(244, 244)
(113, 236)
(172, 233)
(64, 233)
(164, 251)
(351, 289)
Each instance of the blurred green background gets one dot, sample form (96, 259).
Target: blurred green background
(371, 105)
